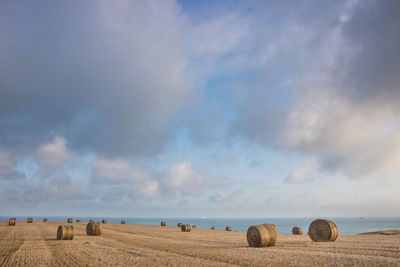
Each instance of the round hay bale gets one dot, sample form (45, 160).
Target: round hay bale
(212, 228)
(194, 226)
(45, 219)
(297, 230)
(186, 228)
(78, 220)
(94, 228)
(228, 228)
(122, 222)
(70, 220)
(262, 235)
(12, 221)
(179, 224)
(104, 221)
(65, 232)
(29, 220)
(323, 231)
(163, 224)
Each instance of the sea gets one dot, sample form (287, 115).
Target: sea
(346, 226)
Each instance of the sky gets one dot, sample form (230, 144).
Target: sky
(200, 108)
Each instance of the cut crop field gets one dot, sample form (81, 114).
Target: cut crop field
(36, 244)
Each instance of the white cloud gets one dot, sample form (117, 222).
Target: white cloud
(183, 177)
(300, 174)
(125, 177)
(149, 189)
(114, 171)
(54, 153)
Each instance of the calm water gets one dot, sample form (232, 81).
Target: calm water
(346, 226)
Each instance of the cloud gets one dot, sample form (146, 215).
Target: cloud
(273, 198)
(108, 77)
(8, 168)
(114, 171)
(337, 97)
(54, 153)
(55, 189)
(127, 179)
(149, 189)
(219, 197)
(183, 177)
(225, 197)
(64, 188)
(300, 174)
(135, 180)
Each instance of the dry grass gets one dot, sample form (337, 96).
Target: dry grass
(65, 232)
(140, 245)
(322, 231)
(262, 235)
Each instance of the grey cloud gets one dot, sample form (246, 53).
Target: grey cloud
(374, 70)
(59, 189)
(8, 168)
(109, 77)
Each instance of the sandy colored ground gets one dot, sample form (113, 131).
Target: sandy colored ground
(121, 245)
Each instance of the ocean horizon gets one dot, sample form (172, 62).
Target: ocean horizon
(346, 225)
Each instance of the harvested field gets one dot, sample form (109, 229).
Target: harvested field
(35, 244)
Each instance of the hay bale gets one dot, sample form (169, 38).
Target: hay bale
(163, 224)
(262, 235)
(78, 220)
(94, 228)
(228, 228)
(104, 221)
(194, 226)
(70, 220)
(297, 230)
(65, 232)
(323, 231)
(45, 219)
(179, 224)
(186, 228)
(122, 222)
(12, 221)
(29, 220)
(212, 228)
